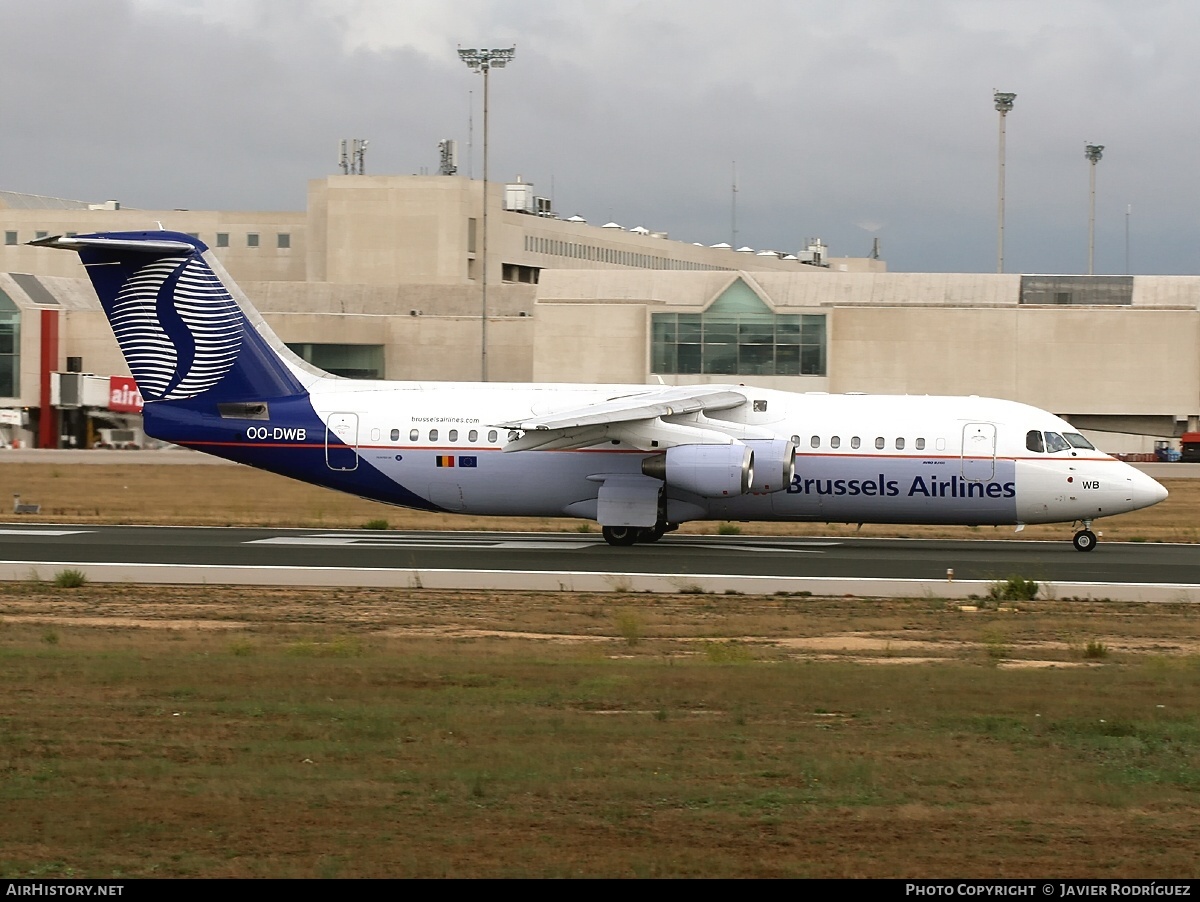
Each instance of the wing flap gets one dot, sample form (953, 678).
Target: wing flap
(632, 408)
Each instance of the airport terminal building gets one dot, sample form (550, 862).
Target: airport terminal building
(380, 277)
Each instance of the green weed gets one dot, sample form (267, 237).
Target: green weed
(1015, 588)
(70, 579)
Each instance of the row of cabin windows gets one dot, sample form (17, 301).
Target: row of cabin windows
(451, 436)
(835, 442)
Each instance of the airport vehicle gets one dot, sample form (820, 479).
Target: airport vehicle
(639, 459)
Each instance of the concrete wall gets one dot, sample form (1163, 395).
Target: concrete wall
(387, 230)
(1082, 359)
(590, 343)
(423, 348)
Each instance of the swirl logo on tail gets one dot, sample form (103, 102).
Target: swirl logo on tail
(178, 327)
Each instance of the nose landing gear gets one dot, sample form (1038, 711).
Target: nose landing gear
(1085, 539)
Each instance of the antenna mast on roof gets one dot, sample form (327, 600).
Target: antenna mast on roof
(733, 215)
(353, 152)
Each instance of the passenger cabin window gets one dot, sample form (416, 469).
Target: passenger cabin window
(454, 435)
(492, 435)
(880, 442)
(920, 444)
(433, 435)
(395, 435)
(816, 441)
(835, 441)
(414, 435)
(1033, 441)
(856, 442)
(473, 435)
(899, 444)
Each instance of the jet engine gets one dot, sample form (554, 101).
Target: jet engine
(774, 464)
(713, 471)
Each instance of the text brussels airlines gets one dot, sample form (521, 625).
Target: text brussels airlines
(882, 487)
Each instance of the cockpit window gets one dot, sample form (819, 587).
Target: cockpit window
(1078, 441)
(1033, 441)
(1055, 442)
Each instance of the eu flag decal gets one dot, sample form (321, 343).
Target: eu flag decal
(467, 461)
(445, 460)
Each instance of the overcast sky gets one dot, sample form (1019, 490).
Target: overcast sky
(847, 120)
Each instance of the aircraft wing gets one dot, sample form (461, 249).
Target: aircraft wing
(584, 426)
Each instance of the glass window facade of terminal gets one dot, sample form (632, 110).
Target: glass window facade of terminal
(351, 361)
(738, 335)
(10, 347)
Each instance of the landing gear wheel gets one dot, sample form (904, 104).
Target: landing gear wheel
(620, 535)
(652, 533)
(1085, 540)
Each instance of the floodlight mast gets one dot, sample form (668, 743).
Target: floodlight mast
(482, 60)
(1093, 152)
(1004, 103)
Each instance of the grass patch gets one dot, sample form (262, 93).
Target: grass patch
(1015, 588)
(70, 579)
(630, 627)
(381, 733)
(378, 523)
(727, 653)
(340, 647)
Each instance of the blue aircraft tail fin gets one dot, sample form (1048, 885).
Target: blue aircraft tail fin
(184, 327)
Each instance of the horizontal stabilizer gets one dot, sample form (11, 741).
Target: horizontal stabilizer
(66, 243)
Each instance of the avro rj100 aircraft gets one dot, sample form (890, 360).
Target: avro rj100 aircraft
(638, 459)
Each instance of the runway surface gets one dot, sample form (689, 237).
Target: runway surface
(582, 561)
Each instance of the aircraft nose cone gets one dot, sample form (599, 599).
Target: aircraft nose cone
(1147, 491)
(1160, 493)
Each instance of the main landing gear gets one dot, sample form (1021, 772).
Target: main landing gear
(627, 535)
(1085, 539)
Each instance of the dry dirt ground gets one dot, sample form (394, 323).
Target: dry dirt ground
(162, 731)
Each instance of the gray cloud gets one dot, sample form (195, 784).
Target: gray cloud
(866, 111)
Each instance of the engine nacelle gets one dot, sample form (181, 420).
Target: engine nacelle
(774, 464)
(714, 471)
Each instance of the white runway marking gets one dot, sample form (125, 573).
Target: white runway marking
(336, 540)
(402, 542)
(43, 532)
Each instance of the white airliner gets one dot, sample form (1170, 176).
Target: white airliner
(638, 459)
